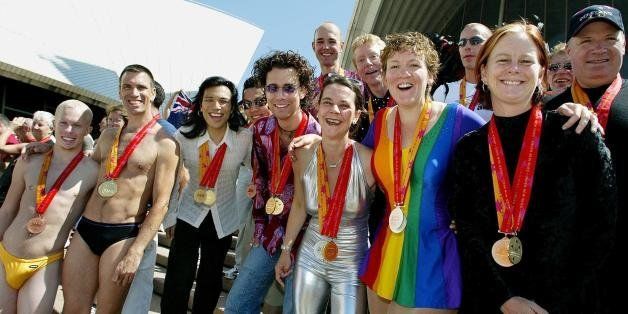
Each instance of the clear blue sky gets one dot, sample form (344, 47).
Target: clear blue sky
(287, 24)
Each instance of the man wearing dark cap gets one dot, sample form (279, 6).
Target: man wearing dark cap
(596, 45)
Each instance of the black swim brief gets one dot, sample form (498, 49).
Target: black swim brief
(99, 236)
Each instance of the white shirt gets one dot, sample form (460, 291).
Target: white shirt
(224, 211)
(453, 96)
(454, 93)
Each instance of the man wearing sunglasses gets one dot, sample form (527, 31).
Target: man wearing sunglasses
(596, 45)
(286, 78)
(472, 39)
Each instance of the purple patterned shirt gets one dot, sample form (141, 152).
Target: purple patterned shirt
(270, 229)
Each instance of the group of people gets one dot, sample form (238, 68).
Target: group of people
(355, 191)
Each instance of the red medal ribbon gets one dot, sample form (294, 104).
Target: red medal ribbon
(605, 103)
(420, 130)
(121, 162)
(474, 101)
(330, 208)
(278, 180)
(512, 202)
(44, 199)
(211, 174)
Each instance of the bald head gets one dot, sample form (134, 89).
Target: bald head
(327, 46)
(327, 27)
(478, 28)
(77, 106)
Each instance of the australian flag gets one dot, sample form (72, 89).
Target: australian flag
(181, 107)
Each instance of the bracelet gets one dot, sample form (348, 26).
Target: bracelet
(286, 247)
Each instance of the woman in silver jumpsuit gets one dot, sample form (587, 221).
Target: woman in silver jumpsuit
(336, 238)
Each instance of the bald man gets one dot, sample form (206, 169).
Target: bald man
(328, 46)
(472, 39)
(32, 235)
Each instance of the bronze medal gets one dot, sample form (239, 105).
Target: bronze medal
(515, 250)
(36, 225)
(319, 249)
(500, 252)
(107, 188)
(199, 196)
(210, 197)
(330, 251)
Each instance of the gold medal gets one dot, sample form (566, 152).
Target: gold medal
(278, 206)
(500, 252)
(270, 206)
(396, 220)
(107, 188)
(330, 251)
(36, 225)
(210, 197)
(199, 195)
(515, 250)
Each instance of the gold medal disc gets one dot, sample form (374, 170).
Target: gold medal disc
(210, 197)
(107, 188)
(500, 252)
(330, 251)
(270, 205)
(515, 250)
(199, 195)
(36, 225)
(278, 206)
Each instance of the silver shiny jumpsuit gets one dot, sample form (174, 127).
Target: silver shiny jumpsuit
(315, 279)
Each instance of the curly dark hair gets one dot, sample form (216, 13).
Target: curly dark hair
(196, 120)
(286, 60)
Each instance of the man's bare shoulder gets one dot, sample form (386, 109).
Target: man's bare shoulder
(165, 141)
(89, 166)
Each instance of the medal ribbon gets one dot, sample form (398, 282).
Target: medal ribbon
(42, 198)
(511, 203)
(606, 101)
(463, 96)
(321, 78)
(114, 164)
(330, 208)
(212, 169)
(419, 132)
(278, 179)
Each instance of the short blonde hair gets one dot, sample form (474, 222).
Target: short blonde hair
(414, 42)
(560, 48)
(366, 39)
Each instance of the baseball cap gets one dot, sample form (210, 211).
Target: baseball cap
(591, 14)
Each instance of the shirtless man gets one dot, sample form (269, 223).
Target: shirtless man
(30, 252)
(116, 227)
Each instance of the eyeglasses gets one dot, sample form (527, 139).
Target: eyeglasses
(287, 89)
(554, 67)
(474, 41)
(257, 102)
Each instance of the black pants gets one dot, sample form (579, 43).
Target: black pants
(182, 263)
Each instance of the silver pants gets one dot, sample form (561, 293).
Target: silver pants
(316, 281)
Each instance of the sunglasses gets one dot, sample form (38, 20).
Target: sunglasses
(474, 41)
(257, 102)
(287, 89)
(554, 67)
(353, 81)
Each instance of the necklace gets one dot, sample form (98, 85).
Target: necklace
(334, 165)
